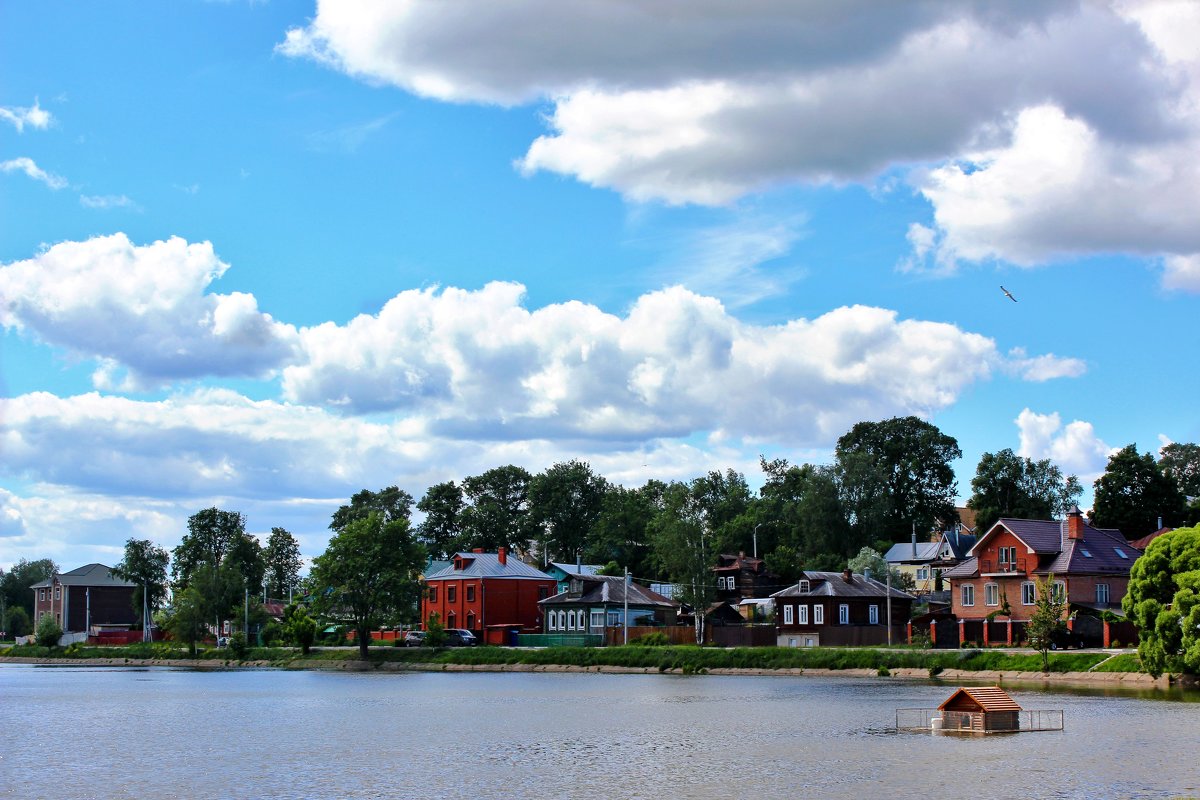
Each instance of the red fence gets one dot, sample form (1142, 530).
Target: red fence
(114, 638)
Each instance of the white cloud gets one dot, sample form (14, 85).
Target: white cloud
(106, 201)
(1045, 367)
(143, 309)
(34, 116)
(480, 364)
(33, 171)
(1182, 272)
(1075, 447)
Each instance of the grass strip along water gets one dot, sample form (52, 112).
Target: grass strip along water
(686, 659)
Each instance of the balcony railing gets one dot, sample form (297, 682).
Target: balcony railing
(990, 566)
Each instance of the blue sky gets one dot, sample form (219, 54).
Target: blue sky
(262, 255)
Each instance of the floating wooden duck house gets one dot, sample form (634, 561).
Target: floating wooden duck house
(982, 709)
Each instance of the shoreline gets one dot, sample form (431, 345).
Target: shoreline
(1132, 680)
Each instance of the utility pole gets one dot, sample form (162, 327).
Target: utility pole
(625, 623)
(146, 610)
(888, 572)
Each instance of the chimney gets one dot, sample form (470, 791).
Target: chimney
(502, 554)
(477, 550)
(914, 545)
(1075, 523)
(848, 576)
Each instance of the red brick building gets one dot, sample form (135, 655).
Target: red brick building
(487, 593)
(88, 596)
(1089, 565)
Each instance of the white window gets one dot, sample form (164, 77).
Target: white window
(550, 626)
(562, 620)
(731, 582)
(804, 587)
(802, 615)
(873, 615)
(843, 614)
(922, 573)
(1028, 594)
(1101, 594)
(597, 620)
(721, 582)
(991, 594)
(788, 615)
(58, 590)
(966, 594)
(818, 615)
(42, 594)
(614, 619)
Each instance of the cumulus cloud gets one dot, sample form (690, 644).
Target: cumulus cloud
(1074, 447)
(142, 310)
(33, 171)
(480, 364)
(1045, 367)
(34, 116)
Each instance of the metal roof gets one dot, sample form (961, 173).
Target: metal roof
(833, 584)
(87, 575)
(487, 565)
(610, 589)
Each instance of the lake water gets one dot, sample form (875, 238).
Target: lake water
(78, 732)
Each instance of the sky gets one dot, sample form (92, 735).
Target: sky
(262, 255)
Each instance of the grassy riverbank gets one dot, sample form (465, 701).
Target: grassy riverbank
(689, 660)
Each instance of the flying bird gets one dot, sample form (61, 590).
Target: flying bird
(1008, 294)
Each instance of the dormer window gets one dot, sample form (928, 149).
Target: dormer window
(804, 587)
(576, 587)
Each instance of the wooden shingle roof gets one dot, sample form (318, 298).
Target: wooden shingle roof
(988, 698)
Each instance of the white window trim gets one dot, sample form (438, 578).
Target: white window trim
(1028, 594)
(966, 595)
(991, 594)
(788, 613)
(1107, 594)
(818, 614)
(802, 615)
(843, 614)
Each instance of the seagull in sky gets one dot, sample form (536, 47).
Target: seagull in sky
(1008, 294)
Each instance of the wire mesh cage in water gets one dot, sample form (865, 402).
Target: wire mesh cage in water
(945, 721)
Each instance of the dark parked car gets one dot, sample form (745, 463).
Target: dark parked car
(460, 637)
(1064, 639)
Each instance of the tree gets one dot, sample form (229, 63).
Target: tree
(16, 584)
(18, 622)
(1006, 485)
(299, 628)
(220, 559)
(442, 530)
(282, 561)
(49, 632)
(619, 534)
(187, 617)
(145, 565)
(678, 534)
(1181, 463)
(1163, 600)
(723, 499)
(391, 503)
(800, 509)
(565, 502)
(912, 459)
(498, 514)
(873, 560)
(1046, 622)
(369, 572)
(1134, 493)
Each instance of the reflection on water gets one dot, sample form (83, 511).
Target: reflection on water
(114, 733)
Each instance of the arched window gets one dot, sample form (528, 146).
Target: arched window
(471, 620)
(451, 620)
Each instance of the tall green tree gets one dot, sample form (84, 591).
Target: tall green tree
(1181, 463)
(914, 462)
(800, 509)
(1007, 485)
(15, 584)
(565, 503)
(678, 534)
(1163, 600)
(145, 566)
(369, 572)
(187, 617)
(390, 503)
(1134, 493)
(282, 561)
(441, 531)
(620, 533)
(211, 557)
(498, 511)
(724, 500)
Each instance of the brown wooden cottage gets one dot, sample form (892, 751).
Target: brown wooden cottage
(980, 709)
(841, 609)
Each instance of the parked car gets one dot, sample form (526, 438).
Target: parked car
(460, 637)
(1064, 639)
(414, 638)
(223, 641)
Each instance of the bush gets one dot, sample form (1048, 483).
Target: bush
(237, 645)
(48, 631)
(653, 639)
(883, 672)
